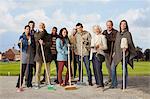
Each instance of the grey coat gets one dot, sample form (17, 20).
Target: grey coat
(130, 52)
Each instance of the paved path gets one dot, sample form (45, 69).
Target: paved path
(139, 88)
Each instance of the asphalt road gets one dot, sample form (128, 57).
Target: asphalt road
(138, 88)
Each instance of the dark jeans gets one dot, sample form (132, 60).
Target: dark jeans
(87, 66)
(114, 74)
(54, 57)
(97, 68)
(29, 75)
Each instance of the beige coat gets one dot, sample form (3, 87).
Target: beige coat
(100, 40)
(83, 39)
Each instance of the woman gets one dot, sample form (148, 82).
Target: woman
(62, 52)
(98, 43)
(130, 53)
(27, 56)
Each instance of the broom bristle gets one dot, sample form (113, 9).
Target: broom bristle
(70, 88)
(51, 87)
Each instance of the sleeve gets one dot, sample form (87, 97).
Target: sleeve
(130, 40)
(24, 43)
(116, 41)
(104, 42)
(58, 46)
(48, 40)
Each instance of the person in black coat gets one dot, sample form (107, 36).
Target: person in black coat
(42, 37)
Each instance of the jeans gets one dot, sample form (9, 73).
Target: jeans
(97, 68)
(114, 74)
(108, 64)
(87, 66)
(30, 75)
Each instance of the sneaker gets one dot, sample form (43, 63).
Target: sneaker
(37, 86)
(112, 87)
(99, 86)
(107, 83)
(90, 84)
(56, 81)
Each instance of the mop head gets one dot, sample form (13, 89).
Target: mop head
(51, 87)
(70, 88)
(81, 84)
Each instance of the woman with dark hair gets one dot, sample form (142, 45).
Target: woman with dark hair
(130, 52)
(28, 45)
(62, 52)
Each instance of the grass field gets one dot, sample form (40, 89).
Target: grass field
(140, 69)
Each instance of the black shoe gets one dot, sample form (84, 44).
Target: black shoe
(112, 87)
(56, 81)
(100, 86)
(29, 86)
(90, 84)
(107, 83)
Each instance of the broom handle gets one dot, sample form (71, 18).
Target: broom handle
(81, 60)
(45, 63)
(69, 64)
(73, 61)
(123, 69)
(20, 63)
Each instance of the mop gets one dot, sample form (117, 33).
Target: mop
(81, 76)
(70, 87)
(20, 89)
(124, 45)
(50, 87)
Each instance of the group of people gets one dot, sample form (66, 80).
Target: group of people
(97, 47)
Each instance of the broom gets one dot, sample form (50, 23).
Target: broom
(20, 89)
(70, 87)
(50, 87)
(124, 46)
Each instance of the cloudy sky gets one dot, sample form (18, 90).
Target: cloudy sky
(14, 15)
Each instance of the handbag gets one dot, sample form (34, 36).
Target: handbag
(100, 57)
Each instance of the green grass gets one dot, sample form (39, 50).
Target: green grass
(140, 69)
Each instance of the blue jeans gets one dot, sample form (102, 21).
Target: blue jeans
(87, 66)
(114, 74)
(97, 68)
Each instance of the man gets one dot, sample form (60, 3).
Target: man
(83, 39)
(110, 34)
(53, 36)
(42, 37)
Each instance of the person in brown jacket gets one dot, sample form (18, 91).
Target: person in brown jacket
(42, 37)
